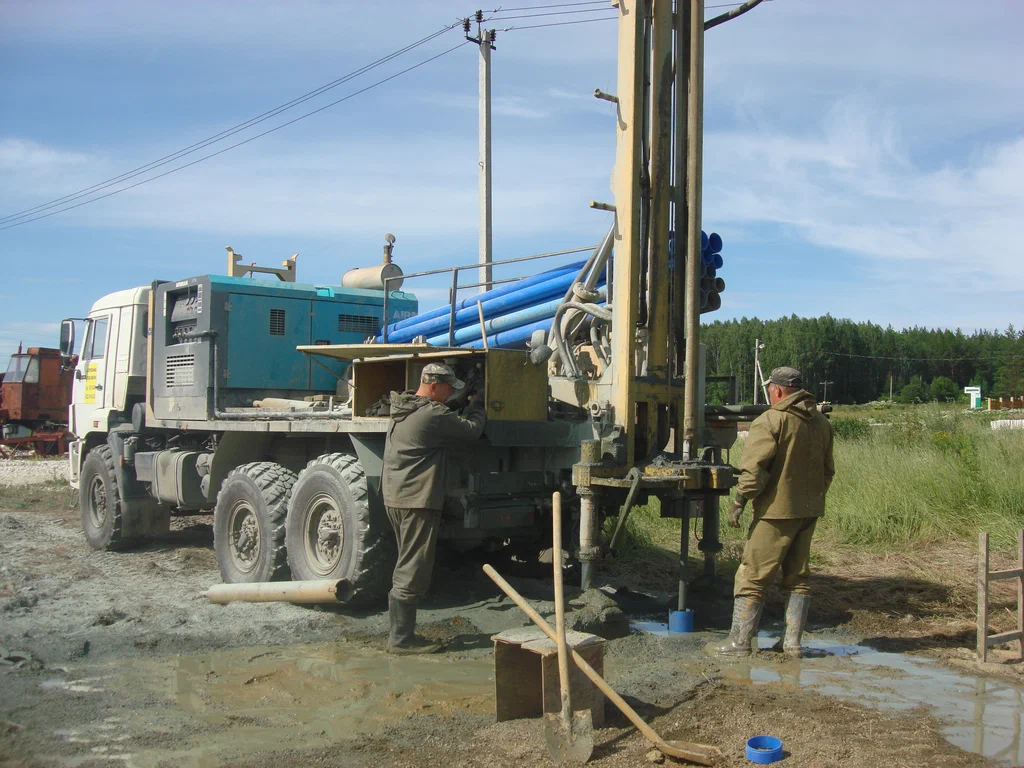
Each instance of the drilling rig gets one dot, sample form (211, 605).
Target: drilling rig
(605, 403)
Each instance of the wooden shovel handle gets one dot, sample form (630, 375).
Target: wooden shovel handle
(590, 672)
(556, 558)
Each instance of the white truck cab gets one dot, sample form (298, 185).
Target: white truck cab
(110, 373)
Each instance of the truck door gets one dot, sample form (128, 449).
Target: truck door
(89, 397)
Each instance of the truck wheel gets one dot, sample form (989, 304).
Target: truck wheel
(333, 534)
(248, 523)
(99, 501)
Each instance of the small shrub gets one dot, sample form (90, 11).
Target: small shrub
(850, 429)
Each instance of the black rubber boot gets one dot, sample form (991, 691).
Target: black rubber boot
(746, 615)
(403, 638)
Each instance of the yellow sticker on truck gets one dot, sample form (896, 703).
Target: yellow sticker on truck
(90, 384)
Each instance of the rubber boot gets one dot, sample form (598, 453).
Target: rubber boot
(403, 638)
(746, 614)
(796, 620)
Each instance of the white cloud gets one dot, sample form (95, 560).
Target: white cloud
(848, 185)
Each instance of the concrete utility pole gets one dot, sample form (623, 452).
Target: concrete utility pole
(485, 42)
(758, 346)
(824, 398)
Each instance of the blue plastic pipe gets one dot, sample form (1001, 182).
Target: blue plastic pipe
(513, 338)
(485, 298)
(524, 316)
(528, 296)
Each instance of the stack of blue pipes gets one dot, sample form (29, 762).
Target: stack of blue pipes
(711, 285)
(511, 313)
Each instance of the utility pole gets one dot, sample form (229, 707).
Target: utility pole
(758, 346)
(485, 42)
(890, 386)
(824, 397)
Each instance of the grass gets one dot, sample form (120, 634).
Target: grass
(906, 477)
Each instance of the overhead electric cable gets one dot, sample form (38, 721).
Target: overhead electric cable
(225, 133)
(558, 24)
(552, 13)
(999, 356)
(240, 143)
(556, 5)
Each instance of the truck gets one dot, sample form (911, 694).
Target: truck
(35, 393)
(267, 402)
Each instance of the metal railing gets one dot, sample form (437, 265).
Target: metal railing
(454, 290)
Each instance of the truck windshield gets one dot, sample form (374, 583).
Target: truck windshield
(22, 369)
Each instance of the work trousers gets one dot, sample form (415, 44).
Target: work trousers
(416, 532)
(773, 545)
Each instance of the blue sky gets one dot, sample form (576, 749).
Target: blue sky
(861, 158)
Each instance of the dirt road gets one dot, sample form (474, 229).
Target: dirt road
(117, 658)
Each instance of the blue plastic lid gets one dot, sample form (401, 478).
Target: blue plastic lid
(764, 749)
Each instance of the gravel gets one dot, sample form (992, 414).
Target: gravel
(33, 471)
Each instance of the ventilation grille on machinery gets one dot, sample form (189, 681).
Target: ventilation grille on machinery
(365, 325)
(277, 322)
(181, 370)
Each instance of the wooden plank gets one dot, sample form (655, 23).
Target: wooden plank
(1020, 591)
(1015, 573)
(364, 351)
(1003, 637)
(982, 596)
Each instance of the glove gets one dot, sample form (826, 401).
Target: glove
(735, 511)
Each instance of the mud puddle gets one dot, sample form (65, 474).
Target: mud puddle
(980, 715)
(272, 697)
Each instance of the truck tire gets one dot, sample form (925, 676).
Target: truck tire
(248, 523)
(99, 501)
(333, 534)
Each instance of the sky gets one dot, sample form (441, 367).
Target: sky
(864, 159)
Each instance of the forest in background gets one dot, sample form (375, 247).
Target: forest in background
(859, 359)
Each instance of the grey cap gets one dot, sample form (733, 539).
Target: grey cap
(786, 377)
(437, 372)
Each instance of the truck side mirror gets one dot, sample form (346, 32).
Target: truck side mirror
(67, 339)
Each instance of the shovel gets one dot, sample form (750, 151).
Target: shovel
(684, 750)
(570, 735)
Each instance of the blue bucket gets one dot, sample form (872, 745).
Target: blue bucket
(680, 621)
(764, 749)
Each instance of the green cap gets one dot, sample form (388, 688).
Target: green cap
(437, 372)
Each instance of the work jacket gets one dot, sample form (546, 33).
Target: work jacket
(416, 451)
(787, 464)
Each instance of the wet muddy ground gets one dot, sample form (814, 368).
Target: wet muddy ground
(116, 658)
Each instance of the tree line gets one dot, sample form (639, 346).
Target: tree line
(859, 362)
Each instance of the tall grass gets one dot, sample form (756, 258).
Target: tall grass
(912, 476)
(927, 475)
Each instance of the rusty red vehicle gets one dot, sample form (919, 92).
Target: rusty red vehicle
(34, 396)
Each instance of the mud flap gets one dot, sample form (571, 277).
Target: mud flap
(141, 514)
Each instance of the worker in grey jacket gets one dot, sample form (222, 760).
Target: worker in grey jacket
(414, 482)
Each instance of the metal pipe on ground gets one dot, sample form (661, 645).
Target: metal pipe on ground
(306, 592)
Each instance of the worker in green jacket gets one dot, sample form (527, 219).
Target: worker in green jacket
(785, 472)
(414, 481)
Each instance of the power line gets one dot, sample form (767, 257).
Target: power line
(552, 13)
(223, 134)
(559, 24)
(240, 143)
(557, 5)
(924, 359)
